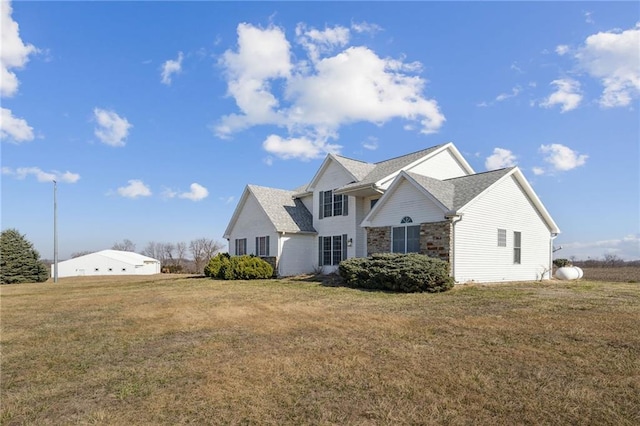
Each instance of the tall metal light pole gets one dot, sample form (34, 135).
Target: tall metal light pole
(55, 232)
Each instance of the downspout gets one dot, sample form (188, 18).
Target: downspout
(279, 253)
(554, 235)
(454, 218)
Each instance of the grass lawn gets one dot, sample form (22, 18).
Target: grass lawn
(177, 350)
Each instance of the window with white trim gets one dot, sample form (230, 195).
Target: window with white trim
(241, 246)
(405, 239)
(262, 246)
(517, 247)
(332, 250)
(333, 204)
(502, 237)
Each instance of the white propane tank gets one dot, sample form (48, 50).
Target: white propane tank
(569, 273)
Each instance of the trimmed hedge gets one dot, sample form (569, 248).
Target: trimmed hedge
(407, 273)
(246, 267)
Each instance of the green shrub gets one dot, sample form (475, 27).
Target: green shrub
(244, 267)
(562, 262)
(407, 273)
(218, 265)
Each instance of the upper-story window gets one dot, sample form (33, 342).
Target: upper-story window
(333, 204)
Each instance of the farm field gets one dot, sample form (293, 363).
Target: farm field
(170, 349)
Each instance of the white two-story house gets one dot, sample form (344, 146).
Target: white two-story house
(489, 226)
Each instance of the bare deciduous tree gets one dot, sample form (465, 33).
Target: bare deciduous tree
(80, 253)
(202, 250)
(181, 251)
(125, 245)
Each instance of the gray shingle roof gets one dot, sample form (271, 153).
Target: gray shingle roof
(286, 214)
(387, 167)
(358, 168)
(469, 187)
(441, 190)
(455, 193)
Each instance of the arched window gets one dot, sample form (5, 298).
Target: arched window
(405, 238)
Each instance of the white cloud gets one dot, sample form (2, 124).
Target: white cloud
(112, 129)
(14, 53)
(197, 192)
(538, 171)
(614, 58)
(514, 92)
(168, 193)
(371, 143)
(40, 175)
(500, 159)
(562, 49)
(135, 189)
(365, 27)
(302, 148)
(562, 158)
(315, 97)
(171, 67)
(587, 17)
(318, 42)
(14, 129)
(228, 200)
(567, 95)
(627, 247)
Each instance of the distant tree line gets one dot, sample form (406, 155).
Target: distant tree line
(180, 257)
(608, 260)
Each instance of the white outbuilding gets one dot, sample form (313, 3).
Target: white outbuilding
(108, 262)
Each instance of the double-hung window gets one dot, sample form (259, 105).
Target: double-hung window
(333, 204)
(406, 238)
(241, 246)
(332, 250)
(517, 247)
(262, 246)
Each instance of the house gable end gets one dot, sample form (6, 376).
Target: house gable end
(407, 192)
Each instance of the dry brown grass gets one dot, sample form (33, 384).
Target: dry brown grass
(175, 350)
(625, 274)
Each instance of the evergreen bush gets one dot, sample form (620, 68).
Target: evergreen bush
(245, 267)
(561, 262)
(407, 273)
(19, 261)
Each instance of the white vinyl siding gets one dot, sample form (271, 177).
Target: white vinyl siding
(334, 176)
(478, 257)
(296, 254)
(407, 200)
(251, 223)
(443, 166)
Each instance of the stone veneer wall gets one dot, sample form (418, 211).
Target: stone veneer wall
(435, 240)
(273, 261)
(378, 240)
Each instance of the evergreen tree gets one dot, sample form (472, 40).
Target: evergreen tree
(19, 261)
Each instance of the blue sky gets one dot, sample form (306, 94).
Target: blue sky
(153, 116)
